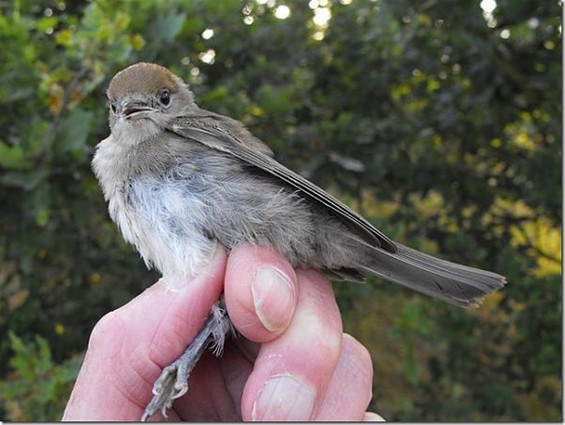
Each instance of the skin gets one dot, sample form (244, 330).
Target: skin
(294, 363)
(299, 365)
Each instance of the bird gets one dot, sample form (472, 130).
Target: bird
(179, 179)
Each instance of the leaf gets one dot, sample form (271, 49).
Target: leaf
(171, 26)
(73, 131)
(12, 94)
(46, 23)
(27, 180)
(12, 157)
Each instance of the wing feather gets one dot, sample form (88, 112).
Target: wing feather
(217, 132)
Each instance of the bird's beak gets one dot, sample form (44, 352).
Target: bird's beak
(135, 110)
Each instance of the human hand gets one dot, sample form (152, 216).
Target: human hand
(294, 363)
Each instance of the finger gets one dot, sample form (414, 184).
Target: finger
(129, 346)
(373, 417)
(292, 371)
(260, 291)
(171, 318)
(350, 389)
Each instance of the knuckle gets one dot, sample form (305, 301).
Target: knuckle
(360, 362)
(107, 325)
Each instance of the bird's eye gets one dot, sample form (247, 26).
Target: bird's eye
(113, 107)
(165, 97)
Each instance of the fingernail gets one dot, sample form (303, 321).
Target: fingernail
(273, 298)
(284, 398)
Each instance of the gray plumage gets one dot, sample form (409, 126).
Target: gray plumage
(179, 178)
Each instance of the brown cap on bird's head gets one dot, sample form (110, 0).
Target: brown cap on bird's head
(143, 78)
(148, 91)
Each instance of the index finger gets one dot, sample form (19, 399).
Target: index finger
(260, 291)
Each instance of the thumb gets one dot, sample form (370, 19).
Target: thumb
(129, 346)
(172, 317)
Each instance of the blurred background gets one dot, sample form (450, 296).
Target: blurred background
(440, 121)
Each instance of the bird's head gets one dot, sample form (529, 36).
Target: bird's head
(144, 96)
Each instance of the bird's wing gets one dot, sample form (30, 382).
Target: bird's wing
(226, 135)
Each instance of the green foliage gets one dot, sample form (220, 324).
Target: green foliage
(437, 120)
(37, 388)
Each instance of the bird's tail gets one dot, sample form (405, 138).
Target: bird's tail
(453, 283)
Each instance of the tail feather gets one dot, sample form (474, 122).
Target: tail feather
(453, 283)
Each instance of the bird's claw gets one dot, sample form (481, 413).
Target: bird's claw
(173, 381)
(170, 385)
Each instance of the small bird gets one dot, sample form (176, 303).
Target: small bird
(179, 179)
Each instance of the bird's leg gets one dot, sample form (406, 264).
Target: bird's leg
(173, 381)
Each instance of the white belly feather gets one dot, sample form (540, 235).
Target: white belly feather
(159, 219)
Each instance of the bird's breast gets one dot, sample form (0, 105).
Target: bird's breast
(160, 216)
(164, 219)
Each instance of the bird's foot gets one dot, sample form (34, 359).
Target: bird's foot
(171, 384)
(173, 381)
